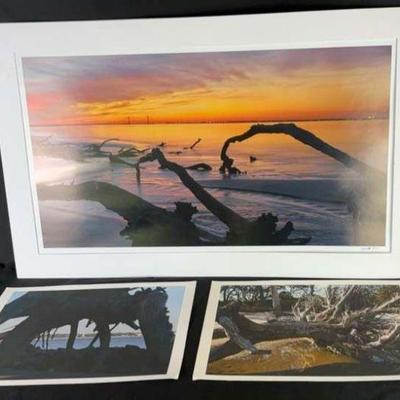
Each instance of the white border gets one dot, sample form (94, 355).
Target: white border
(203, 351)
(294, 30)
(177, 350)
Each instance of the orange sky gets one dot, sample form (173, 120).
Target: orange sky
(343, 83)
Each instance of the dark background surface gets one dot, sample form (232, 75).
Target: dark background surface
(184, 388)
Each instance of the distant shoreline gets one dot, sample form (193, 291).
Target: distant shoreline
(91, 336)
(211, 122)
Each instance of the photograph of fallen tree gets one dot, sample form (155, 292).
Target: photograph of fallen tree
(88, 333)
(320, 329)
(241, 148)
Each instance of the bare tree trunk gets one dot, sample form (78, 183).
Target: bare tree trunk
(104, 334)
(322, 333)
(276, 301)
(232, 332)
(226, 215)
(155, 325)
(72, 335)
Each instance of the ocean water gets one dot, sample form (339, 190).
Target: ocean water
(279, 157)
(83, 342)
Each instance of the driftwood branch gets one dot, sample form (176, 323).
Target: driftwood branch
(226, 215)
(131, 151)
(95, 149)
(193, 145)
(390, 336)
(199, 167)
(340, 305)
(241, 231)
(299, 134)
(99, 146)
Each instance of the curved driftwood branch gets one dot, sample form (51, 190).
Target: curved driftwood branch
(95, 150)
(302, 136)
(131, 151)
(100, 145)
(127, 152)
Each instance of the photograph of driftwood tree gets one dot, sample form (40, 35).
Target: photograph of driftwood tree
(306, 330)
(110, 332)
(272, 147)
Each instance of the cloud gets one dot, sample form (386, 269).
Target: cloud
(59, 84)
(126, 76)
(108, 78)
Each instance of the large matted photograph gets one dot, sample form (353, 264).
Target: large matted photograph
(185, 154)
(288, 330)
(283, 147)
(93, 333)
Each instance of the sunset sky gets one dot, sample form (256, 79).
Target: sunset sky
(345, 83)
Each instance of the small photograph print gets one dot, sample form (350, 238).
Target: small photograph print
(83, 335)
(308, 331)
(285, 147)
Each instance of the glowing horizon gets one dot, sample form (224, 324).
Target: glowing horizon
(271, 85)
